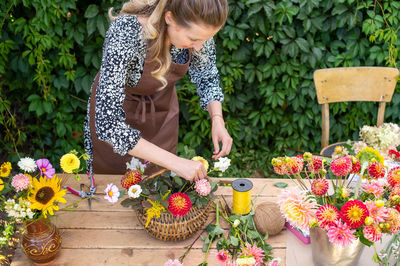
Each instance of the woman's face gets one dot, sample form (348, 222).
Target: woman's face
(188, 37)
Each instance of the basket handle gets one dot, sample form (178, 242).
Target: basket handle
(165, 170)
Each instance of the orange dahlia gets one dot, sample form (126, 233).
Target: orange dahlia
(315, 165)
(376, 170)
(372, 232)
(341, 166)
(294, 164)
(327, 215)
(279, 166)
(131, 177)
(179, 204)
(354, 213)
(393, 177)
(319, 186)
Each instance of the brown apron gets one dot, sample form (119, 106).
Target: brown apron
(154, 113)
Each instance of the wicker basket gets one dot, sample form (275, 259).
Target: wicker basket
(172, 228)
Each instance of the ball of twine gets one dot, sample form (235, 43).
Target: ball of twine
(268, 218)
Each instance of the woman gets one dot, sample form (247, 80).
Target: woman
(133, 108)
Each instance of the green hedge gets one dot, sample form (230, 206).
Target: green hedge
(50, 51)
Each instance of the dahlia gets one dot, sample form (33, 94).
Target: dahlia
(294, 164)
(393, 176)
(379, 214)
(69, 163)
(27, 164)
(179, 204)
(353, 213)
(345, 192)
(131, 177)
(320, 186)
(253, 251)
(376, 170)
(374, 188)
(20, 182)
(356, 164)
(315, 165)
(341, 234)
(372, 232)
(341, 166)
(394, 220)
(394, 154)
(297, 208)
(202, 160)
(203, 187)
(327, 215)
(223, 255)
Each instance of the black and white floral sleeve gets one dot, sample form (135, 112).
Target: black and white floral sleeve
(122, 45)
(203, 71)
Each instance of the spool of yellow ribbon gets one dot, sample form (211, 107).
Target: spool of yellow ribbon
(242, 196)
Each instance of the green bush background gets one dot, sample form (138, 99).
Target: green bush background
(50, 51)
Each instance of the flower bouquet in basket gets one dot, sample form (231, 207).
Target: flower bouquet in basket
(168, 206)
(30, 195)
(361, 201)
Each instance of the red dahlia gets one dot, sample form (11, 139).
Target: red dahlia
(294, 164)
(376, 170)
(341, 166)
(319, 186)
(327, 215)
(394, 176)
(131, 177)
(315, 165)
(353, 213)
(356, 164)
(393, 153)
(179, 204)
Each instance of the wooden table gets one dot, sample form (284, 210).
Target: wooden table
(109, 234)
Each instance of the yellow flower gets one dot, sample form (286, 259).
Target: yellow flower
(69, 162)
(202, 160)
(369, 154)
(5, 169)
(1, 185)
(46, 194)
(155, 210)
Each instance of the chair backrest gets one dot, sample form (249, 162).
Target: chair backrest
(353, 84)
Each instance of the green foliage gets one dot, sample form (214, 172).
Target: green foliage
(50, 52)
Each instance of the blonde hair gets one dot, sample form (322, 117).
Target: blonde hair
(209, 12)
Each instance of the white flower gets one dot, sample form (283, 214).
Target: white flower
(134, 191)
(27, 164)
(222, 164)
(135, 164)
(236, 223)
(112, 193)
(246, 261)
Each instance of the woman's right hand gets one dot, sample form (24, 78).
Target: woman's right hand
(190, 170)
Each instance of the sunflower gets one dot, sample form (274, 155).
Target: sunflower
(45, 195)
(1, 185)
(5, 169)
(69, 162)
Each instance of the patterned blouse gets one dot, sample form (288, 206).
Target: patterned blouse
(124, 52)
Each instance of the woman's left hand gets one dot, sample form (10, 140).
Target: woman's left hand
(220, 134)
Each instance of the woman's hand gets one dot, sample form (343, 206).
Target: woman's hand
(220, 134)
(190, 170)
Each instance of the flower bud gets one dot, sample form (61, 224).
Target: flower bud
(373, 160)
(313, 222)
(338, 149)
(369, 220)
(395, 197)
(379, 203)
(307, 156)
(236, 223)
(382, 225)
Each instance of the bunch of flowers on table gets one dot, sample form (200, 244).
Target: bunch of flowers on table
(164, 192)
(30, 191)
(361, 200)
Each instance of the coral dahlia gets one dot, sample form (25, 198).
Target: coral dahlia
(374, 188)
(341, 234)
(315, 165)
(376, 170)
(327, 215)
(294, 164)
(131, 177)
(279, 167)
(393, 176)
(203, 187)
(341, 166)
(253, 251)
(356, 164)
(179, 204)
(379, 214)
(353, 213)
(320, 186)
(394, 220)
(372, 232)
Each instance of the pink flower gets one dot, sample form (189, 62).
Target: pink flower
(20, 182)
(374, 188)
(274, 262)
(223, 255)
(379, 214)
(341, 234)
(254, 251)
(203, 187)
(46, 168)
(175, 262)
(112, 193)
(372, 232)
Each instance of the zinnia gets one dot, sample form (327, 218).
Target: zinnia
(341, 234)
(202, 187)
(69, 162)
(179, 204)
(354, 213)
(20, 182)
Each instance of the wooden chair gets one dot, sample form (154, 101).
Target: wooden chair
(352, 84)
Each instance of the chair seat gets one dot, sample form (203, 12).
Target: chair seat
(330, 149)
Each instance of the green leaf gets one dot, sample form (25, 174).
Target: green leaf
(234, 241)
(280, 184)
(91, 11)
